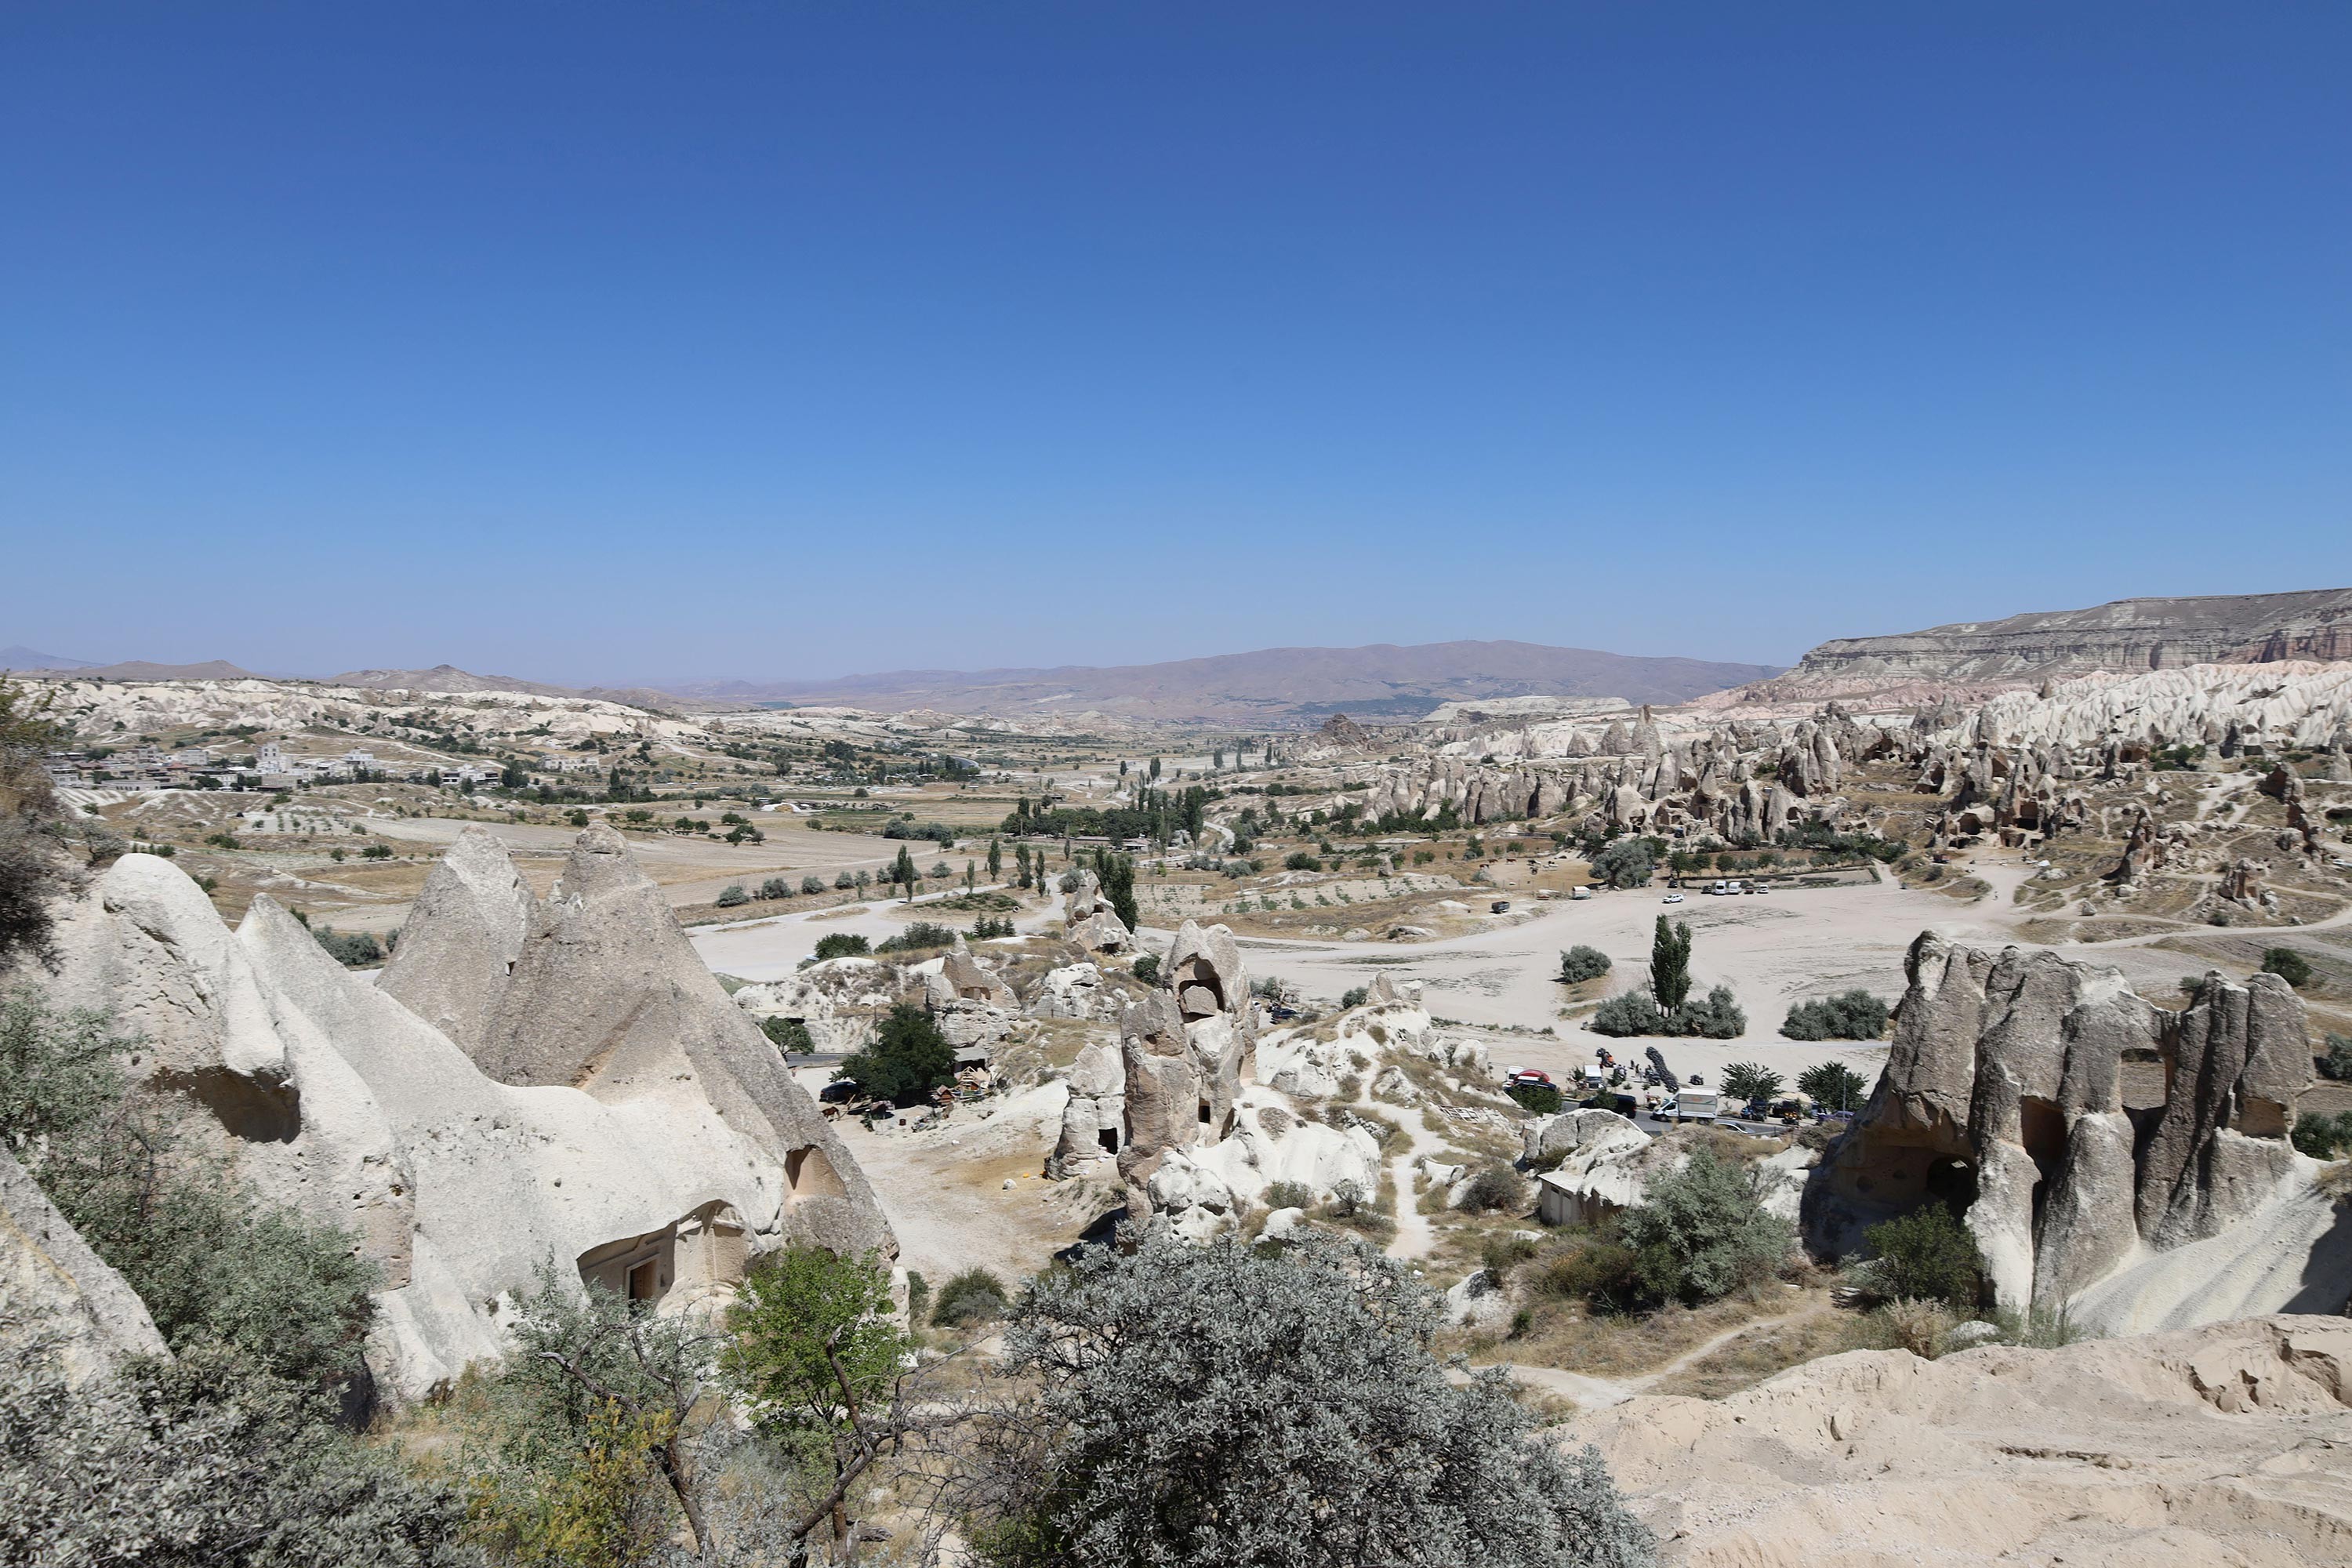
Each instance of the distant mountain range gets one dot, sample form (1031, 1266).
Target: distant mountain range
(1271, 686)
(23, 658)
(2125, 635)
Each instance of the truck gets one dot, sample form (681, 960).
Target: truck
(1696, 1105)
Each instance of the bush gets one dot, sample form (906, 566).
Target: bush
(1928, 1255)
(842, 881)
(1749, 1081)
(351, 949)
(2336, 1063)
(812, 884)
(908, 1059)
(1186, 1402)
(1631, 1014)
(732, 895)
(1601, 1271)
(1622, 863)
(1300, 860)
(1701, 1233)
(1147, 968)
(841, 944)
(974, 1296)
(1849, 1016)
(1542, 1098)
(215, 1264)
(2288, 965)
(1355, 997)
(206, 1458)
(790, 1036)
(988, 929)
(1581, 963)
(1497, 1188)
(1832, 1086)
(2322, 1136)
(917, 936)
(1289, 1195)
(1717, 1018)
(776, 887)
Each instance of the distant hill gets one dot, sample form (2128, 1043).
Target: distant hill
(23, 658)
(448, 679)
(142, 669)
(2126, 635)
(1273, 685)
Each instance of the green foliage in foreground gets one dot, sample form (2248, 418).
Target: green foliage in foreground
(214, 1263)
(206, 1459)
(1200, 1406)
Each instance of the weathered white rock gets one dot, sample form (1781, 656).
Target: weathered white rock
(52, 1283)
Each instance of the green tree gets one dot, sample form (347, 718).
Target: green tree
(908, 1059)
(1200, 1406)
(1746, 1082)
(1928, 1255)
(1701, 1233)
(1581, 963)
(903, 873)
(1833, 1086)
(995, 859)
(1622, 863)
(1849, 1016)
(1670, 951)
(841, 944)
(2288, 965)
(1116, 873)
(790, 1036)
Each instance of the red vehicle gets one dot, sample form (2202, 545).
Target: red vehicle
(1528, 1077)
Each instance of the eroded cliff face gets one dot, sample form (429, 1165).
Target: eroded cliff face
(2127, 635)
(601, 1106)
(2002, 1099)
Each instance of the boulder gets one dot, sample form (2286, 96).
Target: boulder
(51, 1283)
(2002, 1098)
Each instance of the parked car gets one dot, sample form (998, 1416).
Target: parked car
(1672, 899)
(1528, 1077)
(1580, 893)
(1722, 887)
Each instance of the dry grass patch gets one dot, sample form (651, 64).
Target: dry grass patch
(1563, 1335)
(1820, 1330)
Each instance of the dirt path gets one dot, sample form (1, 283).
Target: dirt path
(1599, 1393)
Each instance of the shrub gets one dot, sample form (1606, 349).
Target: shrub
(1928, 1255)
(1289, 1195)
(790, 1036)
(1631, 1014)
(918, 935)
(842, 881)
(918, 1297)
(1923, 1328)
(1749, 1081)
(812, 883)
(732, 895)
(988, 929)
(1542, 1098)
(776, 887)
(1496, 1187)
(841, 944)
(1581, 963)
(1849, 1016)
(1701, 1233)
(208, 1458)
(350, 949)
(1300, 860)
(1719, 1018)
(2336, 1063)
(1147, 968)
(1622, 863)
(1499, 1255)
(1355, 997)
(2288, 965)
(908, 1059)
(1185, 1399)
(1601, 1271)
(974, 1296)
(2322, 1136)
(376, 852)
(1833, 1086)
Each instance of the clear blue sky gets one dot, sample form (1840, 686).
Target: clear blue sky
(589, 341)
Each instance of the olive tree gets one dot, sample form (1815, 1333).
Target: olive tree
(1207, 1405)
